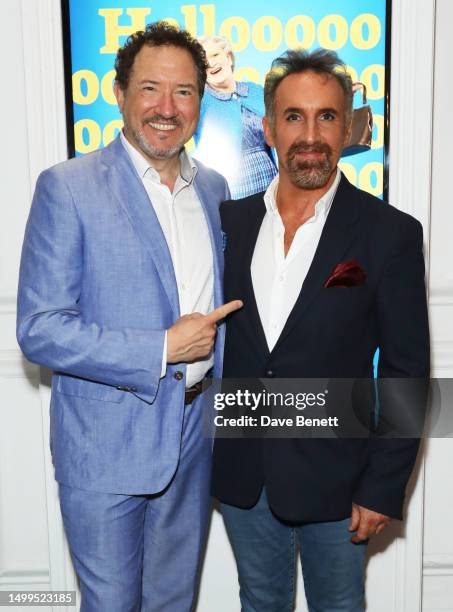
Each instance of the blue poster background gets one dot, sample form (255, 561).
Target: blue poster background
(259, 32)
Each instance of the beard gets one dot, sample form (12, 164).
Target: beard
(151, 150)
(309, 174)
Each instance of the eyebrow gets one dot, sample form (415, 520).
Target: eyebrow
(296, 109)
(186, 85)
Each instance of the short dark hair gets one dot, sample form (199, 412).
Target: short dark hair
(159, 34)
(297, 61)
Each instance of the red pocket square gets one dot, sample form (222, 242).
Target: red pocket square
(346, 274)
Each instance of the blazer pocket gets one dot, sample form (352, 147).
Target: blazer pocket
(362, 287)
(87, 389)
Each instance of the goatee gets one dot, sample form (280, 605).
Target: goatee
(313, 173)
(151, 150)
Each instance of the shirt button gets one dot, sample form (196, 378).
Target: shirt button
(178, 375)
(281, 278)
(270, 374)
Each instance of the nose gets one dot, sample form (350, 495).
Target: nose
(167, 106)
(311, 130)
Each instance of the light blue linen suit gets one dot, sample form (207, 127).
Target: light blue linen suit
(97, 291)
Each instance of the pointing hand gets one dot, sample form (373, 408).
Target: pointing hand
(192, 336)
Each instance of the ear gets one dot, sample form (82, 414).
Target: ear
(268, 135)
(119, 95)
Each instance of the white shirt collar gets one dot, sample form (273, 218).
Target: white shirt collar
(143, 167)
(322, 206)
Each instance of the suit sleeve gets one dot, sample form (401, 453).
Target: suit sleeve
(50, 327)
(403, 374)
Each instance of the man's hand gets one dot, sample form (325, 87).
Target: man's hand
(366, 523)
(192, 336)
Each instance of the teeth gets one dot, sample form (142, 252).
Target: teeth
(163, 126)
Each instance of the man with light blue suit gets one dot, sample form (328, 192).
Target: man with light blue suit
(120, 275)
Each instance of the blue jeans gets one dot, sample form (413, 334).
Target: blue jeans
(265, 548)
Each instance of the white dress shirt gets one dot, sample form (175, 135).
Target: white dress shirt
(277, 280)
(184, 225)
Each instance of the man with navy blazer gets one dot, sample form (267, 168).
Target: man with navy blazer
(327, 274)
(121, 270)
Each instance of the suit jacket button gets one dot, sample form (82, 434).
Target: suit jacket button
(178, 375)
(270, 373)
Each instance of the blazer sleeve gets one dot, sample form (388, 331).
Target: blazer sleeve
(50, 327)
(403, 374)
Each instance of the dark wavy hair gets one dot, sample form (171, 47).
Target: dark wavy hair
(159, 34)
(297, 61)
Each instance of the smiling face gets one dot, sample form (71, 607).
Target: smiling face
(161, 105)
(220, 71)
(310, 128)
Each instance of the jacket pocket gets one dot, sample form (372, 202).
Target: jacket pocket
(80, 387)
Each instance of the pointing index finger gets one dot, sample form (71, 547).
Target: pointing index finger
(221, 312)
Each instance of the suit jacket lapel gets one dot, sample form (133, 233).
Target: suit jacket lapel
(205, 194)
(338, 233)
(256, 210)
(126, 186)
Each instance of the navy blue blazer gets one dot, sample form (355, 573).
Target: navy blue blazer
(330, 333)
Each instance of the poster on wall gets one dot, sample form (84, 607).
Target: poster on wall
(241, 40)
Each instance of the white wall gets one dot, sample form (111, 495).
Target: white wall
(32, 548)
(23, 520)
(33, 136)
(438, 500)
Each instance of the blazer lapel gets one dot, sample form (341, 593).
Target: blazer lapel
(126, 186)
(257, 210)
(338, 233)
(206, 193)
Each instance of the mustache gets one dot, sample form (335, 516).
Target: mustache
(156, 118)
(301, 146)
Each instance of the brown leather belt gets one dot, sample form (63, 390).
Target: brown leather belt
(193, 392)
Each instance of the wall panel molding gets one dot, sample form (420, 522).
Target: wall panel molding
(14, 365)
(46, 120)
(411, 100)
(411, 108)
(438, 565)
(7, 303)
(442, 358)
(441, 293)
(44, 80)
(21, 577)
